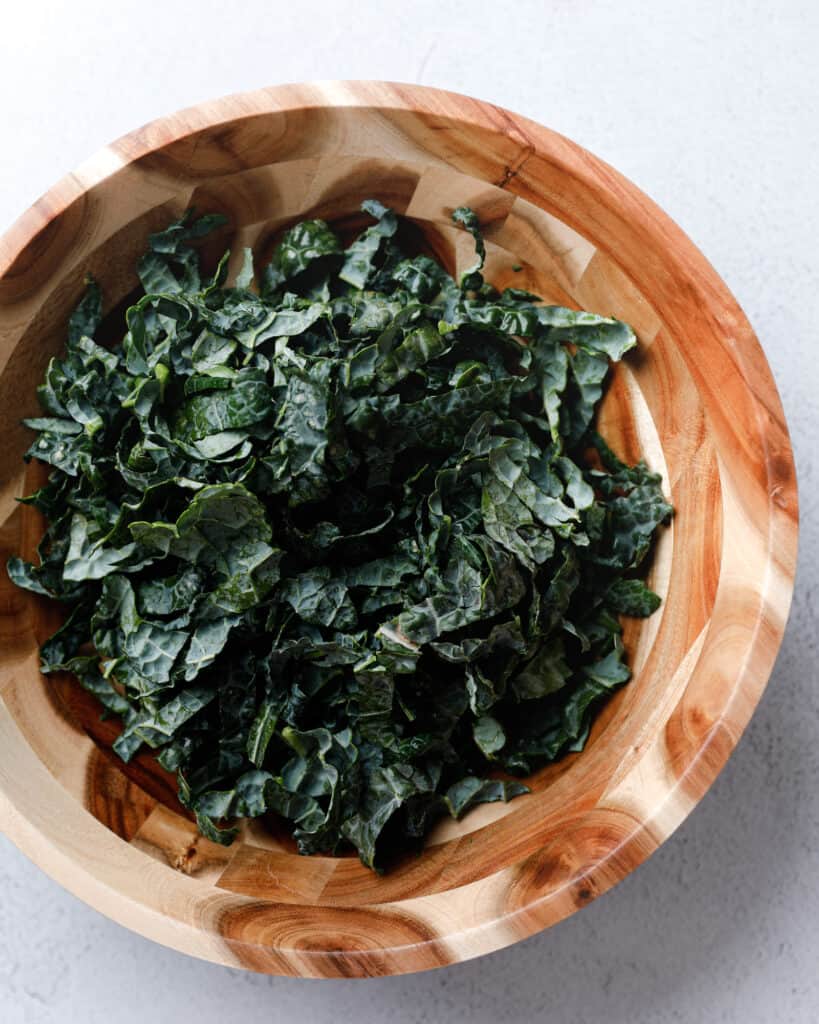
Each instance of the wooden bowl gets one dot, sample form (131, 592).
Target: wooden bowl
(696, 400)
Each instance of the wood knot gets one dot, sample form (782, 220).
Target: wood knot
(186, 860)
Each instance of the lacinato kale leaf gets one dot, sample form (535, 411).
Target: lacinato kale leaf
(335, 548)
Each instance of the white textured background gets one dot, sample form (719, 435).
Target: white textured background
(710, 106)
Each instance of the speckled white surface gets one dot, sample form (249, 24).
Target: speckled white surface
(713, 109)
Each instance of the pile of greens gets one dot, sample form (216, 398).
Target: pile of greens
(343, 546)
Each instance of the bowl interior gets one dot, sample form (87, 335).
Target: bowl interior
(526, 248)
(592, 816)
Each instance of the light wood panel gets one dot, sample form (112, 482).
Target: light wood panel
(696, 399)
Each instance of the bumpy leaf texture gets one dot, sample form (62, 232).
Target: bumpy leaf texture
(337, 543)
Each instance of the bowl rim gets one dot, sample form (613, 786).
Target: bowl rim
(146, 915)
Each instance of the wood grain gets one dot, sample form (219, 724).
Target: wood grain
(696, 400)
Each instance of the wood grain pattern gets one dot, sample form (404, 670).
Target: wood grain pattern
(696, 399)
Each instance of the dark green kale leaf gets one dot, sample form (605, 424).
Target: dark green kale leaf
(334, 548)
(304, 246)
